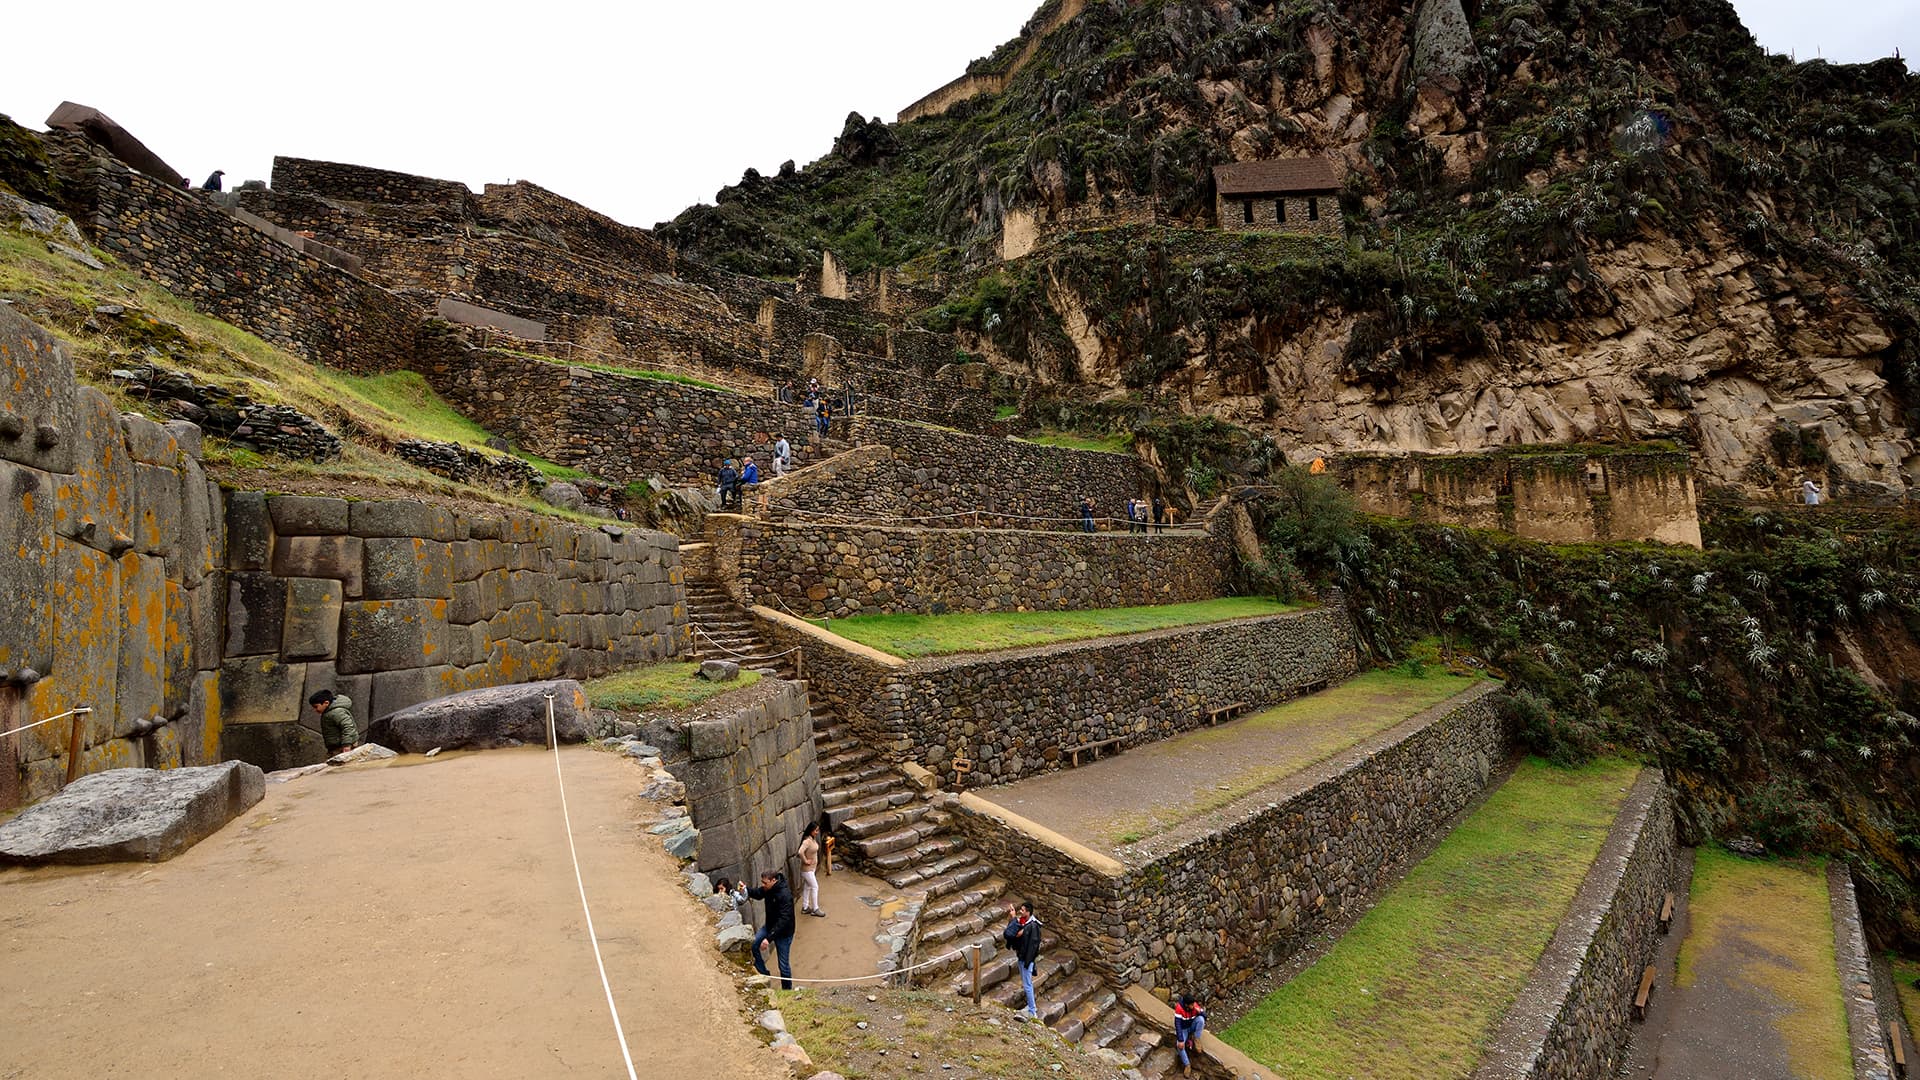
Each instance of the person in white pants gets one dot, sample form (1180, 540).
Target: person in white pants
(782, 457)
(809, 863)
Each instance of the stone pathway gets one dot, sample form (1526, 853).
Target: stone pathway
(1119, 800)
(412, 921)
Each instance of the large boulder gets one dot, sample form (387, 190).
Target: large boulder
(487, 719)
(131, 815)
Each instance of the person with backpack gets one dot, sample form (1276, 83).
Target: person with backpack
(1022, 935)
(1189, 1020)
(777, 927)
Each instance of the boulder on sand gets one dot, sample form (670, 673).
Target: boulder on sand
(486, 719)
(132, 815)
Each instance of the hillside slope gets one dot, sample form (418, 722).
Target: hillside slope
(1567, 219)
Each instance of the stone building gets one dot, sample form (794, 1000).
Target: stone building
(1288, 195)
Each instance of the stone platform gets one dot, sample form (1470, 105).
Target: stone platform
(131, 815)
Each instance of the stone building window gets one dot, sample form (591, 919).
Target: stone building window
(1280, 211)
(1246, 211)
(1313, 209)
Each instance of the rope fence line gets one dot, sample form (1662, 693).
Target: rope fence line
(828, 517)
(941, 959)
(553, 742)
(739, 655)
(81, 711)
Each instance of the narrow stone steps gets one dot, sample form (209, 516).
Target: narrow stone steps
(898, 839)
(870, 809)
(964, 901)
(1143, 1044)
(854, 791)
(849, 774)
(915, 865)
(889, 821)
(1049, 971)
(992, 973)
(1115, 1023)
(846, 760)
(949, 883)
(1083, 998)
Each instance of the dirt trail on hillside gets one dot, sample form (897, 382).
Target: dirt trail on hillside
(379, 922)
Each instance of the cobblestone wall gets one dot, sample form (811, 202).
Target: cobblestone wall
(1016, 713)
(753, 780)
(1573, 1019)
(394, 603)
(110, 596)
(1223, 899)
(822, 570)
(1865, 1033)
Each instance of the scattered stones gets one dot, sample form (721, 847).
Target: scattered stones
(487, 719)
(466, 465)
(267, 429)
(362, 753)
(734, 938)
(125, 815)
(773, 1021)
(1747, 846)
(698, 884)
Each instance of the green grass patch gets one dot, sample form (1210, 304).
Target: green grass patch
(619, 369)
(1316, 727)
(1906, 973)
(1413, 991)
(1771, 918)
(660, 687)
(1067, 440)
(911, 636)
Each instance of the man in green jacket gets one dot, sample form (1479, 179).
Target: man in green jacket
(337, 728)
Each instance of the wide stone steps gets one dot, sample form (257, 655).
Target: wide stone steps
(727, 632)
(875, 808)
(968, 873)
(889, 819)
(847, 759)
(1079, 1000)
(904, 869)
(856, 790)
(1113, 1024)
(1050, 970)
(898, 839)
(847, 775)
(1157, 1061)
(962, 902)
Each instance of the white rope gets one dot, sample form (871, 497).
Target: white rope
(879, 975)
(83, 710)
(567, 818)
(741, 655)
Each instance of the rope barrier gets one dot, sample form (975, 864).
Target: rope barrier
(877, 975)
(881, 519)
(82, 711)
(740, 655)
(567, 819)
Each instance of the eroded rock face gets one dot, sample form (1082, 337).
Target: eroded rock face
(132, 815)
(487, 719)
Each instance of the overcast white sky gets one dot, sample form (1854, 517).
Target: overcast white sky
(636, 109)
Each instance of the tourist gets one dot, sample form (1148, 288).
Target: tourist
(1189, 1020)
(1022, 935)
(809, 863)
(213, 182)
(782, 457)
(786, 393)
(337, 729)
(1159, 514)
(1810, 493)
(1086, 513)
(736, 894)
(826, 418)
(729, 484)
(777, 927)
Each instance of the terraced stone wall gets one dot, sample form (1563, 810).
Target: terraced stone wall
(394, 603)
(110, 593)
(1018, 713)
(185, 241)
(1222, 899)
(1574, 1017)
(752, 776)
(825, 570)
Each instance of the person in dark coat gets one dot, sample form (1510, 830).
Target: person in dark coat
(777, 927)
(213, 182)
(337, 728)
(1022, 935)
(729, 485)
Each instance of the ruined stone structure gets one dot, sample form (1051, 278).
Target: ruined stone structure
(983, 77)
(1288, 195)
(1543, 494)
(1025, 230)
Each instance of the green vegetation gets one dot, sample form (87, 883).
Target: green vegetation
(1906, 982)
(912, 636)
(1447, 950)
(402, 402)
(1314, 727)
(1771, 922)
(861, 1039)
(1117, 443)
(660, 688)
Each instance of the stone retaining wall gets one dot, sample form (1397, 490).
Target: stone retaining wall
(1868, 1038)
(1574, 1017)
(753, 781)
(825, 570)
(395, 603)
(1236, 893)
(1015, 713)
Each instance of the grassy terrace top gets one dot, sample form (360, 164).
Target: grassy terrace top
(667, 687)
(1417, 986)
(914, 636)
(1201, 771)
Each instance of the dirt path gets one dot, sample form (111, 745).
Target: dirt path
(1149, 789)
(842, 944)
(379, 922)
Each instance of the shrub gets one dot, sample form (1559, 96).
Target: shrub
(1562, 739)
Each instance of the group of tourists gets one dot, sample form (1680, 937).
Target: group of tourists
(1143, 515)
(815, 400)
(777, 900)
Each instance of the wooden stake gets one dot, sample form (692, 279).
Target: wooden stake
(976, 974)
(74, 742)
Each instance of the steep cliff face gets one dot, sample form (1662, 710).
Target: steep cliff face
(1565, 219)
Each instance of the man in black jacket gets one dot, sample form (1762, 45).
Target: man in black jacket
(1022, 935)
(778, 925)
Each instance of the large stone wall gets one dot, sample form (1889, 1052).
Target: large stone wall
(1016, 713)
(110, 594)
(233, 271)
(824, 570)
(1225, 898)
(1556, 497)
(753, 780)
(395, 603)
(1574, 1017)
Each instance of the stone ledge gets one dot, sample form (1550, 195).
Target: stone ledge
(1105, 865)
(1856, 977)
(828, 638)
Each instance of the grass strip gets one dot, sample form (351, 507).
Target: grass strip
(660, 688)
(1413, 991)
(1772, 916)
(912, 636)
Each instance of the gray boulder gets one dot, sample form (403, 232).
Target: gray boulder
(563, 495)
(719, 670)
(132, 815)
(487, 719)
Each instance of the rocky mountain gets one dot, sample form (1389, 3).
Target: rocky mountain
(1565, 220)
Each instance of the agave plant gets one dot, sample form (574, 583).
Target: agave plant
(1652, 656)
(1871, 599)
(1756, 579)
(1700, 583)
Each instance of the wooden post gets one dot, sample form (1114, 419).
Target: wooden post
(826, 857)
(976, 974)
(10, 793)
(74, 742)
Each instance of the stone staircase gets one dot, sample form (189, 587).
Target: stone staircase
(724, 631)
(888, 828)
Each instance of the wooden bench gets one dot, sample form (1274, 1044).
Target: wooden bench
(1646, 991)
(1225, 712)
(1666, 914)
(1899, 1040)
(1093, 748)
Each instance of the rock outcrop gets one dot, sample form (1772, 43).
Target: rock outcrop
(132, 815)
(488, 719)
